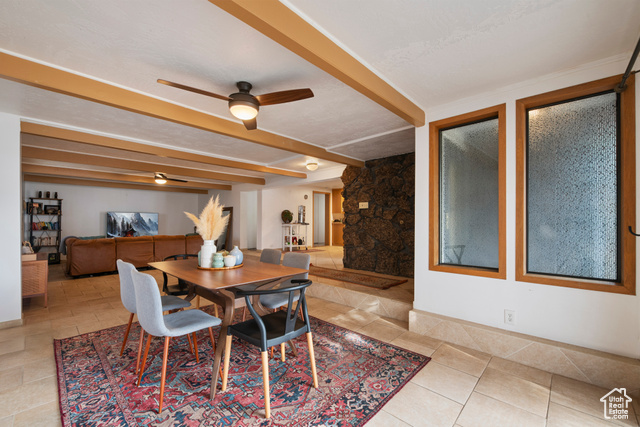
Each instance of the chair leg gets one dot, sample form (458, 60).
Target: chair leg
(282, 352)
(126, 334)
(198, 302)
(163, 377)
(227, 356)
(213, 341)
(312, 359)
(190, 345)
(140, 342)
(215, 309)
(144, 359)
(265, 380)
(244, 313)
(195, 347)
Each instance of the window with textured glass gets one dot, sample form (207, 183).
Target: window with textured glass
(572, 181)
(468, 193)
(574, 196)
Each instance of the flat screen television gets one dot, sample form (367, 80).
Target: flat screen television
(130, 224)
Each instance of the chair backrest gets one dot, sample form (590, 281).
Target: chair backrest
(272, 256)
(292, 259)
(293, 310)
(127, 291)
(180, 256)
(165, 284)
(149, 304)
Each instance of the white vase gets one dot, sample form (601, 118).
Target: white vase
(206, 253)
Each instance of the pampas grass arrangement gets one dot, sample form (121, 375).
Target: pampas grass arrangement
(211, 223)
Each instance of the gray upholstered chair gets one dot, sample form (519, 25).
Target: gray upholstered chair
(272, 256)
(128, 297)
(290, 259)
(273, 329)
(187, 322)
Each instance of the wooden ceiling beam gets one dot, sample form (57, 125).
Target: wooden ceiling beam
(56, 80)
(121, 144)
(93, 183)
(110, 162)
(284, 26)
(110, 176)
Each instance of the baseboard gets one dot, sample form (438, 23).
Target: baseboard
(11, 324)
(595, 367)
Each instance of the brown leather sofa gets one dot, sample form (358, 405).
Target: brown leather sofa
(99, 255)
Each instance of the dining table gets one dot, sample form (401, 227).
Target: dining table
(217, 286)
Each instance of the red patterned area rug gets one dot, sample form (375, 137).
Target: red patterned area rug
(358, 278)
(357, 375)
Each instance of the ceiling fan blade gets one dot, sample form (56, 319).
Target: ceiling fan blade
(193, 89)
(176, 180)
(284, 96)
(250, 124)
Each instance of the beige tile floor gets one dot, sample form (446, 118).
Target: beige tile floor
(460, 387)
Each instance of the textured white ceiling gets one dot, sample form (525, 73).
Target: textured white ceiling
(433, 51)
(438, 51)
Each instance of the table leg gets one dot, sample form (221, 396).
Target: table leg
(225, 299)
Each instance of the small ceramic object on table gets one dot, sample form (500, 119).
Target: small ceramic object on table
(229, 261)
(238, 254)
(218, 261)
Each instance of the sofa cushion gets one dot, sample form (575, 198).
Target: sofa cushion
(168, 245)
(136, 250)
(90, 256)
(193, 243)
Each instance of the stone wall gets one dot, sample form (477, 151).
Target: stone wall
(380, 238)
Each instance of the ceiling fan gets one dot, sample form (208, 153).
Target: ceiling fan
(162, 178)
(243, 104)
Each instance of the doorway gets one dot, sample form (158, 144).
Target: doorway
(321, 231)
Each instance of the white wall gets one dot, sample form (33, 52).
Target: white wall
(84, 208)
(598, 320)
(248, 219)
(274, 201)
(10, 218)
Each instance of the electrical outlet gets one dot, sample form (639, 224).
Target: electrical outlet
(509, 317)
(364, 205)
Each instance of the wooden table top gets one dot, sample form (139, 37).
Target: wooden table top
(253, 271)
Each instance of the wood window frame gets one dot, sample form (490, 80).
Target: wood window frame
(627, 186)
(499, 112)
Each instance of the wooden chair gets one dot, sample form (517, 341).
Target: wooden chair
(182, 288)
(272, 329)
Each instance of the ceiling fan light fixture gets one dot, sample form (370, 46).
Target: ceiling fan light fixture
(160, 178)
(243, 106)
(312, 165)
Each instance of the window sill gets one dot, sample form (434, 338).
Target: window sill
(588, 285)
(470, 271)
